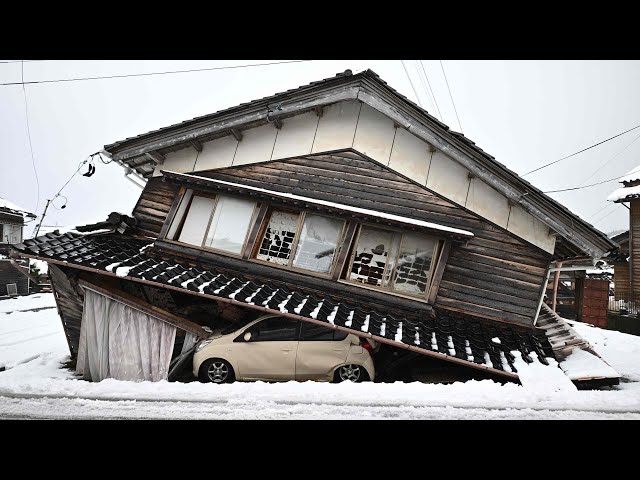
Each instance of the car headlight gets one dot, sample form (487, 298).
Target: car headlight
(202, 344)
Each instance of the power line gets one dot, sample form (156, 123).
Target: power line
(33, 161)
(583, 150)
(583, 186)
(612, 211)
(411, 82)
(609, 205)
(451, 96)
(432, 92)
(151, 73)
(424, 87)
(608, 161)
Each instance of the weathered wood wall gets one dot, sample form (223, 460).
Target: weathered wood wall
(622, 281)
(153, 205)
(70, 303)
(634, 245)
(9, 274)
(495, 275)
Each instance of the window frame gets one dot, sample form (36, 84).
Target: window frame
(256, 326)
(435, 258)
(294, 245)
(216, 199)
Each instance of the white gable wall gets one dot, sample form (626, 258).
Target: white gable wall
(352, 124)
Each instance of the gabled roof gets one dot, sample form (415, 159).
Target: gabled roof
(140, 152)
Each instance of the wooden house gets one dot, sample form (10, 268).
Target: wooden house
(340, 202)
(14, 274)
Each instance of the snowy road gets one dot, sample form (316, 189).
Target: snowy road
(35, 386)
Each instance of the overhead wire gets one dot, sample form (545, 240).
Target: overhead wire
(583, 150)
(411, 82)
(152, 73)
(612, 158)
(33, 161)
(451, 96)
(426, 89)
(432, 92)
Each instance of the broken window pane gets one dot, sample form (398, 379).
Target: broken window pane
(414, 263)
(230, 224)
(370, 256)
(318, 243)
(278, 237)
(195, 225)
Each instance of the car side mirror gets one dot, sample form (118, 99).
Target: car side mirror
(247, 337)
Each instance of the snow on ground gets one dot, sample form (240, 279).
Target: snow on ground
(32, 347)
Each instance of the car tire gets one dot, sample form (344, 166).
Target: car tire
(351, 372)
(216, 370)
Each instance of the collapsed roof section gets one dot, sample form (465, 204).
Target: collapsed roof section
(464, 340)
(10, 208)
(144, 152)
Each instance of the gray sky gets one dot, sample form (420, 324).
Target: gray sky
(524, 113)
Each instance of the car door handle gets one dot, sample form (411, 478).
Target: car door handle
(286, 349)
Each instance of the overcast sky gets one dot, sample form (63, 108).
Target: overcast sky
(524, 113)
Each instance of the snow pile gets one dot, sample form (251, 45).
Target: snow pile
(541, 378)
(624, 192)
(632, 176)
(582, 364)
(12, 206)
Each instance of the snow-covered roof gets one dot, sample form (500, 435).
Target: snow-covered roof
(632, 176)
(13, 208)
(624, 194)
(337, 206)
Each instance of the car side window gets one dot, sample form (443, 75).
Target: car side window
(312, 332)
(275, 329)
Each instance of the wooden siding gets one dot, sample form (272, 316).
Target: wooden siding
(153, 206)
(9, 274)
(495, 275)
(634, 245)
(622, 286)
(70, 303)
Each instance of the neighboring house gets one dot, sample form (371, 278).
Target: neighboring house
(14, 278)
(340, 202)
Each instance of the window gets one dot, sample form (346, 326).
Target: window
(275, 329)
(313, 238)
(312, 332)
(395, 261)
(220, 222)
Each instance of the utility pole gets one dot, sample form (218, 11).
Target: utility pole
(42, 219)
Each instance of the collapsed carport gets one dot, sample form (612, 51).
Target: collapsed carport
(153, 286)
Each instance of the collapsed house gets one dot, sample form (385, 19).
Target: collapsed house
(340, 203)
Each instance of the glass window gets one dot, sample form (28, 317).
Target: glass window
(278, 238)
(318, 242)
(275, 329)
(370, 260)
(393, 260)
(221, 223)
(195, 225)
(313, 332)
(230, 224)
(411, 274)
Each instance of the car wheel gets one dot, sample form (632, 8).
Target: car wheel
(216, 370)
(351, 372)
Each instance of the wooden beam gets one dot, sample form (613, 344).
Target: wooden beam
(131, 163)
(145, 307)
(172, 212)
(437, 275)
(237, 134)
(155, 156)
(344, 250)
(197, 145)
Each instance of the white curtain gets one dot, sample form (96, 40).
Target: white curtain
(117, 341)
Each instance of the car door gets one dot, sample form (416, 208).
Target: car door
(320, 350)
(270, 354)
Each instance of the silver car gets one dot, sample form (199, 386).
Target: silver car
(275, 348)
